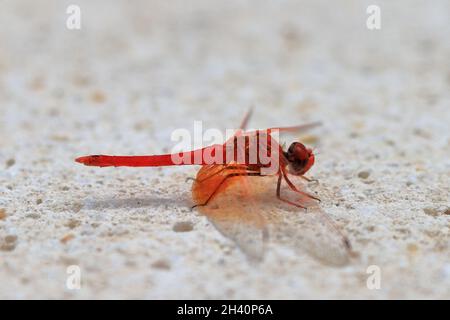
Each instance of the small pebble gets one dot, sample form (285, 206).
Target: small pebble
(3, 214)
(434, 212)
(98, 97)
(33, 216)
(161, 264)
(8, 246)
(363, 174)
(412, 248)
(10, 238)
(10, 163)
(431, 211)
(9, 243)
(38, 201)
(67, 238)
(422, 133)
(72, 224)
(183, 226)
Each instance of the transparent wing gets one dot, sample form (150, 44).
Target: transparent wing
(312, 232)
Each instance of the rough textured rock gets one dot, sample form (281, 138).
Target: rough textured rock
(137, 71)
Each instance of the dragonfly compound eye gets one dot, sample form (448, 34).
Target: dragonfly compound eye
(298, 152)
(300, 158)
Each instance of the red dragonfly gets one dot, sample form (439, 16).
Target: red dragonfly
(218, 184)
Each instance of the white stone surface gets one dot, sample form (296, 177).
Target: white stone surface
(138, 70)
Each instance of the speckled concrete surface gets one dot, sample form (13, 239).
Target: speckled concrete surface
(135, 72)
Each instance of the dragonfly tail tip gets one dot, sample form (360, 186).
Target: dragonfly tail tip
(86, 160)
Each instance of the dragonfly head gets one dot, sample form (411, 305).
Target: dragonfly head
(300, 158)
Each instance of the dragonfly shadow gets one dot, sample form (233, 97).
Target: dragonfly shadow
(134, 203)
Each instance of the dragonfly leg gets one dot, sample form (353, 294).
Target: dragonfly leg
(294, 188)
(309, 179)
(285, 200)
(245, 173)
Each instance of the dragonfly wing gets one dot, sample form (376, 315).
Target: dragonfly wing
(232, 208)
(246, 119)
(312, 232)
(295, 129)
(324, 240)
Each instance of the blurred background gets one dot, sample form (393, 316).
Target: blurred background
(136, 71)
